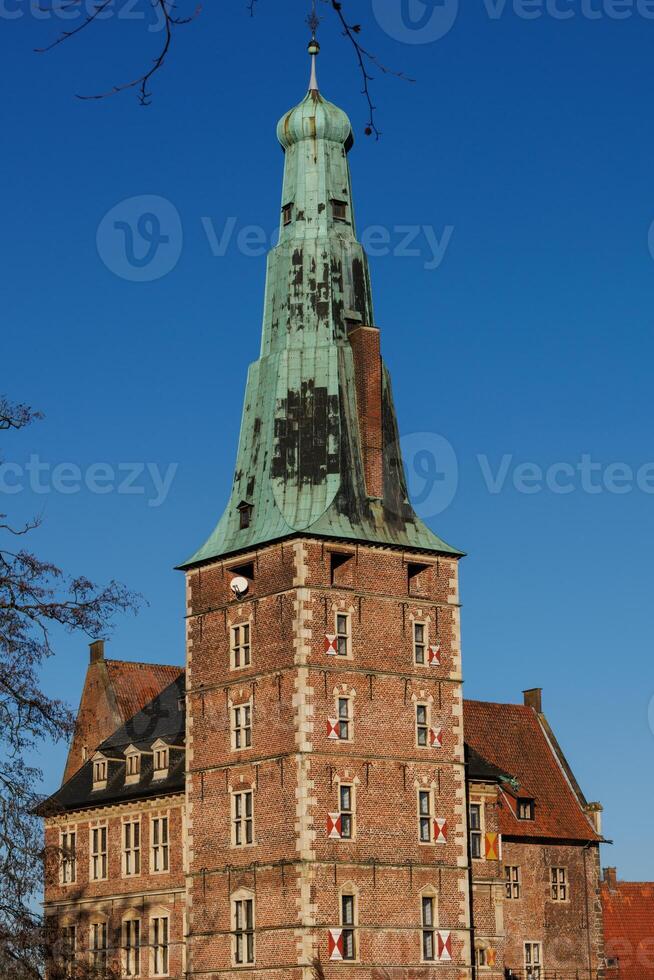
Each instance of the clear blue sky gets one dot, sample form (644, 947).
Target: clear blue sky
(529, 343)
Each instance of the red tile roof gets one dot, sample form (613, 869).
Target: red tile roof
(512, 738)
(628, 909)
(135, 685)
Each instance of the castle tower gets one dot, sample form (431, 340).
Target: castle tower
(326, 813)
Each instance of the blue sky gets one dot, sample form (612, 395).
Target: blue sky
(521, 339)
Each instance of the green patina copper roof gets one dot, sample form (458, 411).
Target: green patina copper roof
(299, 467)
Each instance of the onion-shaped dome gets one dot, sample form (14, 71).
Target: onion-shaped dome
(315, 118)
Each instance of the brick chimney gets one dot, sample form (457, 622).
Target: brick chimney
(534, 699)
(97, 651)
(368, 375)
(611, 878)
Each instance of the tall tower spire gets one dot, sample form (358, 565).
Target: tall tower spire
(319, 450)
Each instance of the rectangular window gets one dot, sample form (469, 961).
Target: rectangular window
(133, 766)
(98, 949)
(99, 772)
(339, 210)
(131, 848)
(241, 651)
(425, 816)
(533, 961)
(68, 949)
(422, 725)
(481, 959)
(98, 853)
(525, 809)
(343, 635)
(348, 922)
(475, 830)
(346, 805)
(161, 759)
(242, 726)
(68, 867)
(512, 881)
(160, 946)
(132, 947)
(244, 931)
(243, 818)
(344, 718)
(287, 214)
(419, 642)
(428, 924)
(559, 882)
(159, 844)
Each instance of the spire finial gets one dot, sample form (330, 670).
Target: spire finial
(313, 20)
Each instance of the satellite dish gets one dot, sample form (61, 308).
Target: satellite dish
(239, 586)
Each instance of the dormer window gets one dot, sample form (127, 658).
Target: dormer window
(132, 765)
(100, 768)
(339, 210)
(161, 761)
(525, 808)
(245, 514)
(287, 214)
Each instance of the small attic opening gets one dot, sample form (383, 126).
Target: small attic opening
(339, 210)
(245, 514)
(246, 570)
(417, 583)
(287, 214)
(341, 569)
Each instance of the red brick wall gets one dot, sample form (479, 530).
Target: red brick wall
(294, 869)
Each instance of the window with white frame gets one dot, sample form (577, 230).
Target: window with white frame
(428, 921)
(346, 809)
(98, 946)
(481, 957)
(533, 961)
(99, 853)
(159, 945)
(132, 767)
(344, 718)
(348, 924)
(243, 923)
(243, 818)
(242, 726)
(159, 844)
(100, 770)
(512, 881)
(425, 816)
(475, 830)
(420, 643)
(68, 948)
(343, 634)
(68, 857)
(161, 760)
(241, 650)
(131, 947)
(422, 725)
(559, 884)
(132, 848)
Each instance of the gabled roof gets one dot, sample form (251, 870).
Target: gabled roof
(163, 718)
(628, 911)
(511, 737)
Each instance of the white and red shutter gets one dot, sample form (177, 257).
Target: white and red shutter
(444, 946)
(330, 645)
(336, 944)
(333, 728)
(434, 655)
(440, 831)
(334, 826)
(436, 738)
